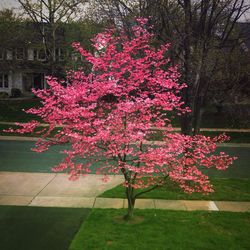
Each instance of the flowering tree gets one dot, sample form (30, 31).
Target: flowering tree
(109, 114)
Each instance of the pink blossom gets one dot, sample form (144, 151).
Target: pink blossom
(108, 114)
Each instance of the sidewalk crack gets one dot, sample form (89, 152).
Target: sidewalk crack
(42, 189)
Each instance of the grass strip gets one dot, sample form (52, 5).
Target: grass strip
(158, 229)
(37, 228)
(235, 137)
(39, 128)
(12, 110)
(225, 190)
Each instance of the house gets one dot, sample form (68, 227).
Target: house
(24, 57)
(23, 60)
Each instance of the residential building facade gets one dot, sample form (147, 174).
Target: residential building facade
(24, 60)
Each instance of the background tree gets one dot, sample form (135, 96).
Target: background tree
(48, 15)
(81, 30)
(232, 77)
(198, 31)
(107, 115)
(10, 23)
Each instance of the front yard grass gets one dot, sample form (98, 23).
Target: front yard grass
(235, 137)
(39, 128)
(164, 230)
(225, 190)
(12, 110)
(37, 228)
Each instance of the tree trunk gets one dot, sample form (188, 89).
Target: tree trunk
(131, 202)
(201, 85)
(186, 120)
(197, 116)
(186, 124)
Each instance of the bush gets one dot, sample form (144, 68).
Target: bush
(4, 95)
(15, 92)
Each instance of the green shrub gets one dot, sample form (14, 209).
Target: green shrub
(15, 92)
(4, 95)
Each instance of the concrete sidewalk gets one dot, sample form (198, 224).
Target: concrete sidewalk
(55, 190)
(51, 189)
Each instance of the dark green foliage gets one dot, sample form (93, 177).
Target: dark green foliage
(16, 92)
(4, 95)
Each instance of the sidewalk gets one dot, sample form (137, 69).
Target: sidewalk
(55, 190)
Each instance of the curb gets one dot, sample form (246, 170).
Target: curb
(119, 203)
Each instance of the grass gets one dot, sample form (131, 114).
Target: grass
(12, 110)
(164, 230)
(235, 137)
(37, 228)
(6, 126)
(39, 128)
(225, 190)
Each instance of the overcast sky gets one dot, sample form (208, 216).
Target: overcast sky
(8, 3)
(15, 4)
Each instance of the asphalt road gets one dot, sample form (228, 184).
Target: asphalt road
(17, 156)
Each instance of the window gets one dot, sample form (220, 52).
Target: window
(60, 54)
(4, 81)
(9, 54)
(74, 56)
(19, 53)
(41, 55)
(30, 54)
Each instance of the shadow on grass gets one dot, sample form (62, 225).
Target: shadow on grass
(37, 228)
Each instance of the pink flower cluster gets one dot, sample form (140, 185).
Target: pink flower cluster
(106, 116)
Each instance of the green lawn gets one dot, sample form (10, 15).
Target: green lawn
(225, 189)
(39, 128)
(164, 230)
(235, 137)
(37, 228)
(12, 110)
